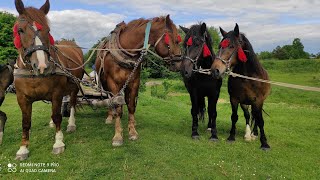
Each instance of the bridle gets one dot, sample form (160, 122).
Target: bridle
(228, 61)
(194, 61)
(33, 48)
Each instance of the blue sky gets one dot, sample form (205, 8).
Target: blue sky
(266, 23)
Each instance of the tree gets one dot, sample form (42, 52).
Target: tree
(7, 49)
(297, 50)
(265, 55)
(280, 53)
(214, 33)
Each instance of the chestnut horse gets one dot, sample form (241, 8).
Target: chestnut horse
(237, 55)
(199, 54)
(38, 76)
(6, 78)
(165, 40)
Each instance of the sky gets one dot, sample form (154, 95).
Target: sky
(266, 24)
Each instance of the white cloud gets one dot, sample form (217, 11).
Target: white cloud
(86, 27)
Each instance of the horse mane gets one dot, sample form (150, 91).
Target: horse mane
(252, 65)
(34, 14)
(141, 21)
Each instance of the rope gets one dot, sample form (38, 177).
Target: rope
(294, 86)
(98, 49)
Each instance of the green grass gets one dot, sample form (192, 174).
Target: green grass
(165, 149)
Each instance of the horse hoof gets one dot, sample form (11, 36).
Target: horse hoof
(58, 150)
(117, 143)
(253, 137)
(109, 121)
(21, 157)
(265, 147)
(133, 137)
(71, 129)
(209, 129)
(247, 138)
(213, 139)
(195, 137)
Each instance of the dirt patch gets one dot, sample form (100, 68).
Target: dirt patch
(153, 83)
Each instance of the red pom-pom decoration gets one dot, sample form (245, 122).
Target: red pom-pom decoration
(225, 43)
(17, 42)
(39, 26)
(206, 51)
(51, 39)
(167, 39)
(189, 42)
(179, 39)
(15, 30)
(241, 55)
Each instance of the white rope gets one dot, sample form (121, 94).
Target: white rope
(294, 86)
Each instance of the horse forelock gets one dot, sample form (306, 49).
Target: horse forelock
(35, 15)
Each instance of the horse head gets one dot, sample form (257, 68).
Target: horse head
(165, 39)
(198, 49)
(231, 52)
(32, 36)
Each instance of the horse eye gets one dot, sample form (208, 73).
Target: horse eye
(20, 30)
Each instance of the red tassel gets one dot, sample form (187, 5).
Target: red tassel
(39, 26)
(241, 55)
(15, 30)
(167, 39)
(225, 43)
(17, 42)
(206, 51)
(179, 38)
(189, 42)
(51, 39)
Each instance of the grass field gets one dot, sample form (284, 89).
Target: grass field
(165, 149)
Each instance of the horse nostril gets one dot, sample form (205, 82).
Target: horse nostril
(216, 73)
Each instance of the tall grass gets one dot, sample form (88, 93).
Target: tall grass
(165, 149)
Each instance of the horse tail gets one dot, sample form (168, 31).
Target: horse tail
(202, 109)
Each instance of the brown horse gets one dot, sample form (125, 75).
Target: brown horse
(165, 40)
(6, 78)
(38, 76)
(237, 55)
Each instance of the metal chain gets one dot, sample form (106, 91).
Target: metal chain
(136, 65)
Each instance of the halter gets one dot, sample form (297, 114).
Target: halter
(33, 48)
(194, 61)
(227, 62)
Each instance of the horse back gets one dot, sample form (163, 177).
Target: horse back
(70, 56)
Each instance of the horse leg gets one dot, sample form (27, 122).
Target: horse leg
(257, 113)
(109, 119)
(72, 120)
(212, 113)
(234, 119)
(3, 119)
(56, 116)
(194, 113)
(131, 97)
(247, 136)
(117, 139)
(26, 109)
(254, 133)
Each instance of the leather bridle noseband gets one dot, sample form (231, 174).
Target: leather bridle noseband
(228, 62)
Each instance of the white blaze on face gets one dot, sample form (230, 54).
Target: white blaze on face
(40, 53)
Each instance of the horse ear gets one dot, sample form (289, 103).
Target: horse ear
(19, 6)
(203, 28)
(184, 29)
(46, 7)
(223, 32)
(168, 22)
(236, 30)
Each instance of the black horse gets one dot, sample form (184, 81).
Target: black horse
(237, 55)
(199, 55)
(6, 78)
